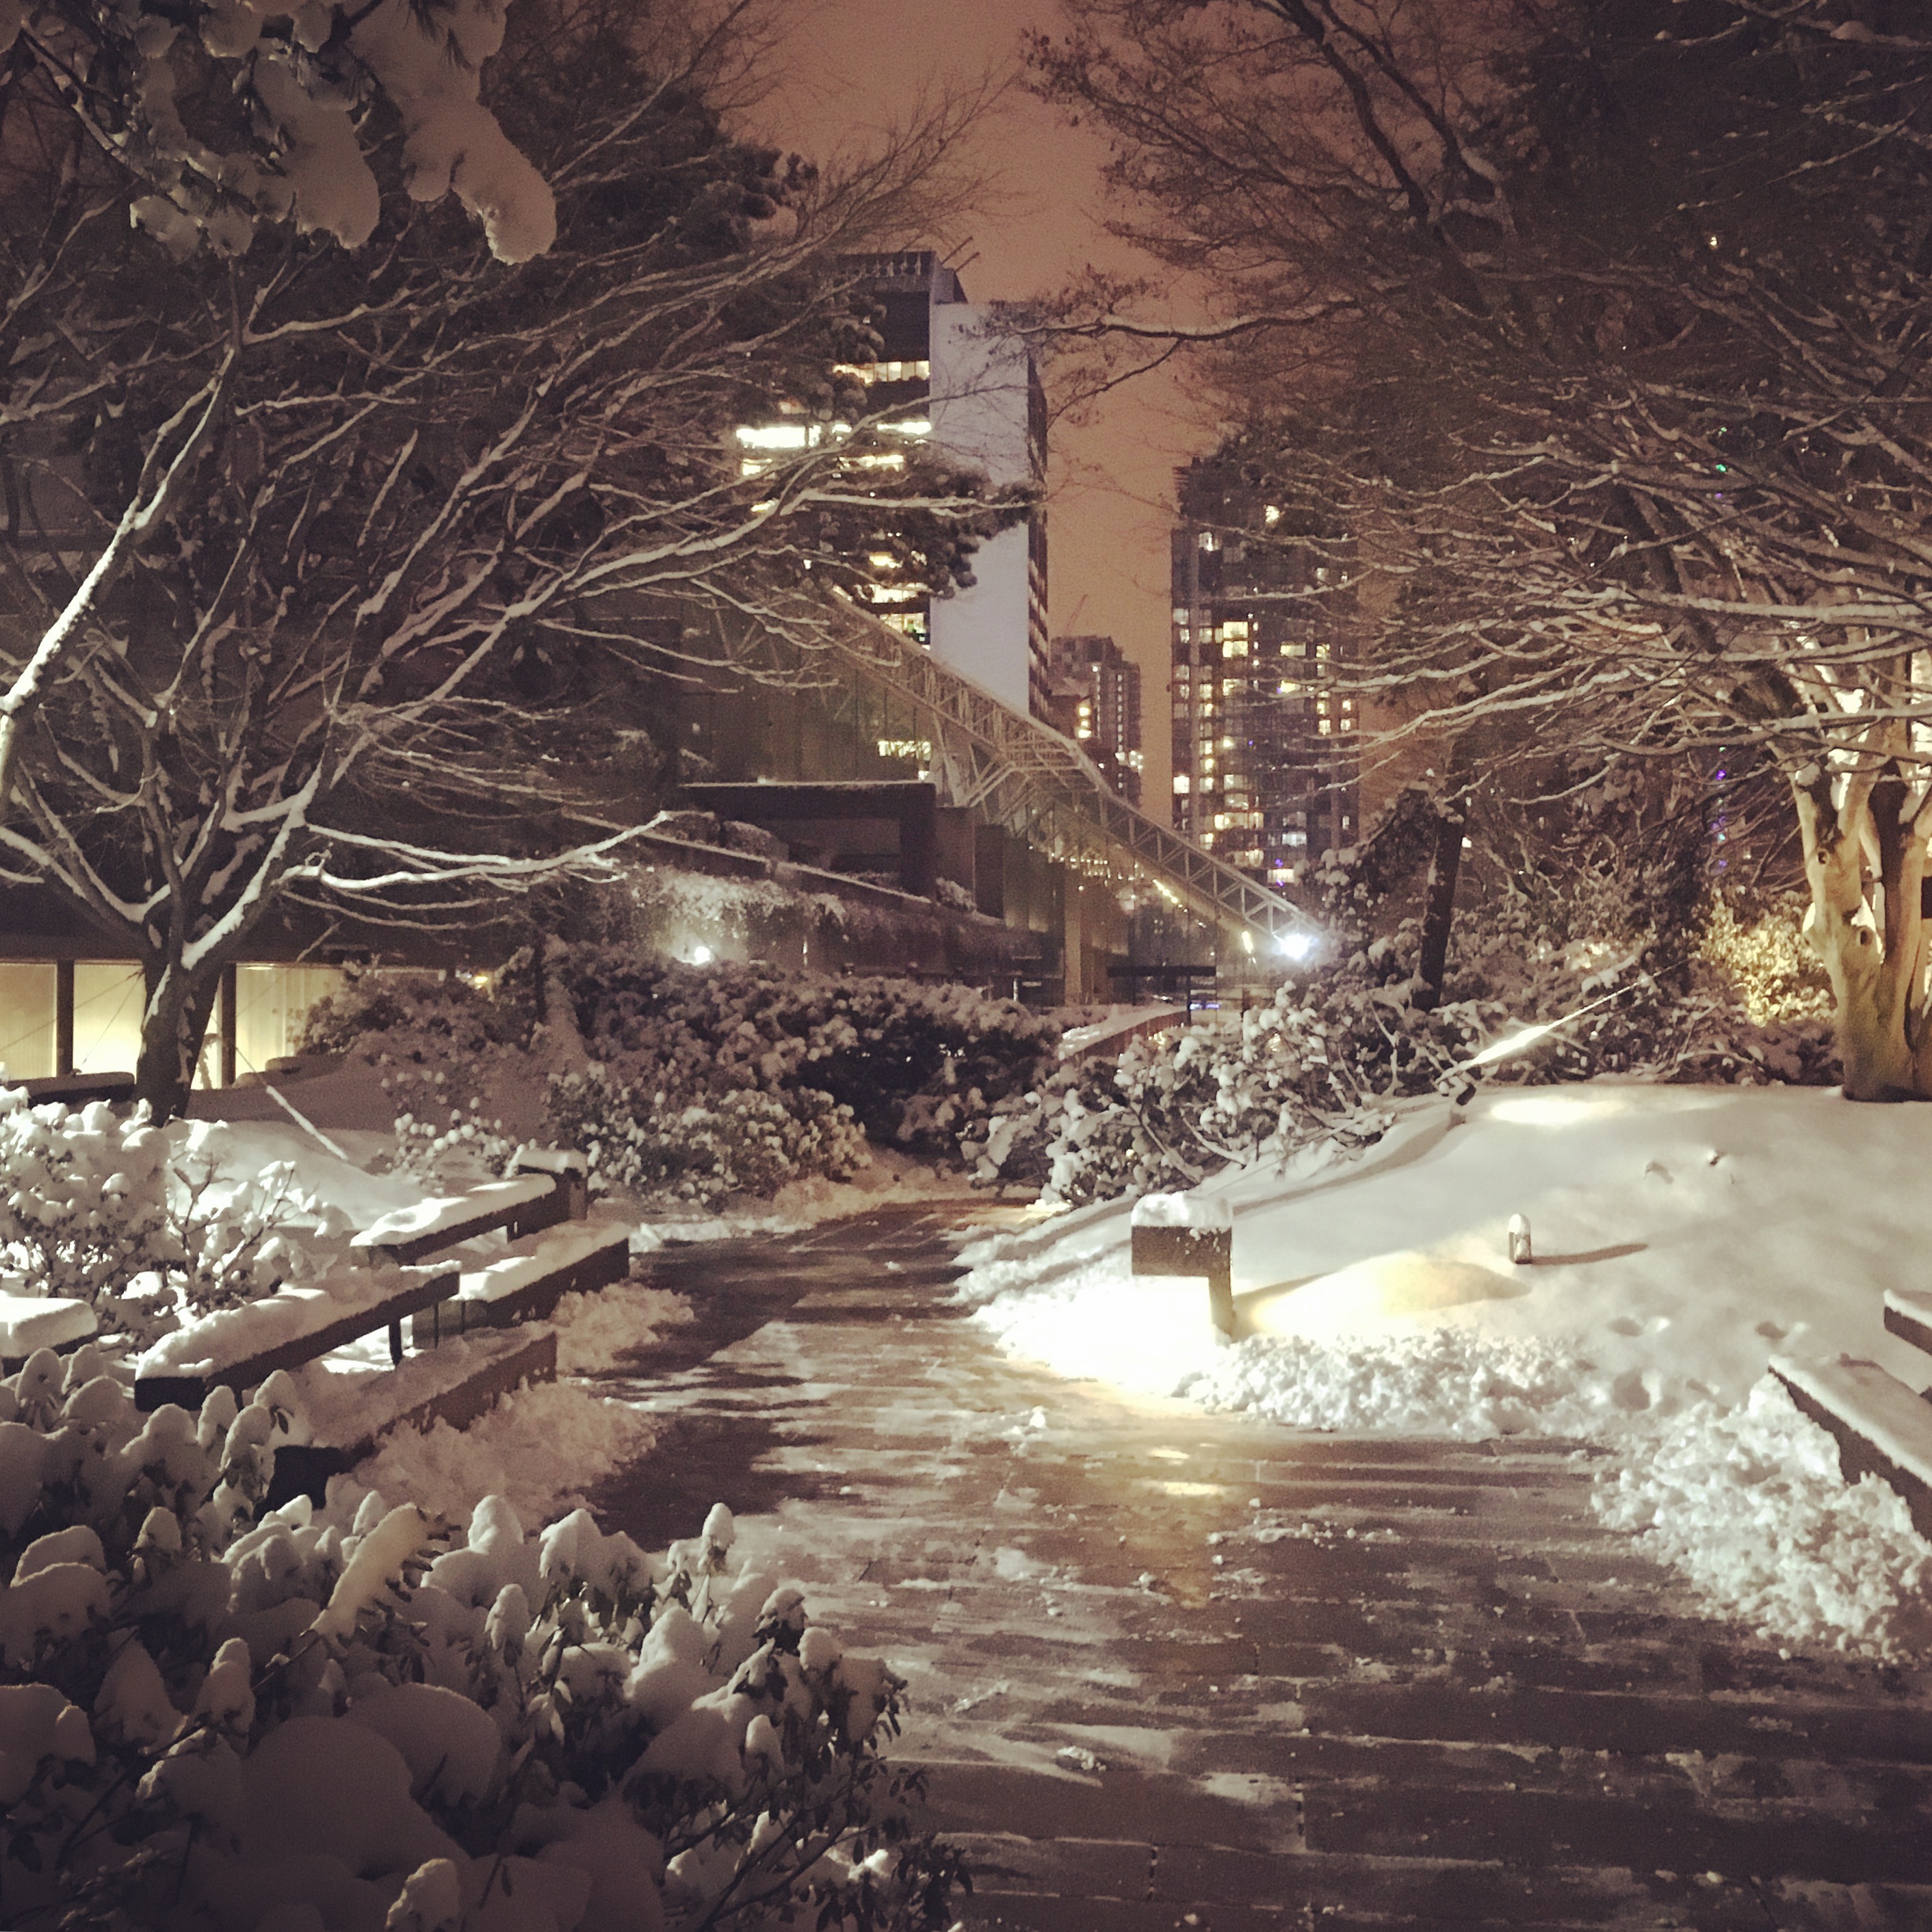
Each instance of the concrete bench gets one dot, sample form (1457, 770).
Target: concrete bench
(1182, 1234)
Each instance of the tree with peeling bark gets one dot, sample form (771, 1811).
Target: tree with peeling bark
(1594, 331)
(442, 518)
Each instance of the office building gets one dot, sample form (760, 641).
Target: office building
(950, 371)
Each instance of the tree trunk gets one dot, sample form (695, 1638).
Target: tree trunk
(1876, 973)
(172, 1027)
(1438, 910)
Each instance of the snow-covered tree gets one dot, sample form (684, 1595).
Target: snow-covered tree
(432, 513)
(202, 121)
(1587, 343)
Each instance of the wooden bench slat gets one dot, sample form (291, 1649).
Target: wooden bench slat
(1882, 1427)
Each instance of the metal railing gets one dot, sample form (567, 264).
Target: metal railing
(1014, 771)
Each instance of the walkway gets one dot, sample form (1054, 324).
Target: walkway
(1173, 1670)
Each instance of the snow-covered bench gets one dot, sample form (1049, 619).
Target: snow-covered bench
(526, 1281)
(28, 1322)
(77, 1090)
(525, 1203)
(242, 1347)
(1181, 1233)
(550, 1254)
(1882, 1428)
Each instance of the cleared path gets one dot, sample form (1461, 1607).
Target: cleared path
(1171, 1669)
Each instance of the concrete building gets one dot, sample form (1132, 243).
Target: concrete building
(950, 368)
(1097, 702)
(1265, 774)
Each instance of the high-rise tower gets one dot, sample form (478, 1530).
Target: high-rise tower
(1264, 766)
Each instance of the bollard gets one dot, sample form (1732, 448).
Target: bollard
(1519, 1240)
(1176, 1234)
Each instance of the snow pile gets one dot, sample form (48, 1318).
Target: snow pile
(1445, 1381)
(1182, 1210)
(359, 1715)
(1749, 1505)
(1683, 1236)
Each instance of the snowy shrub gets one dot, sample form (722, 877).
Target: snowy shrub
(742, 1142)
(138, 1222)
(917, 1065)
(213, 1713)
(83, 1198)
(1324, 1058)
(1776, 976)
(418, 1017)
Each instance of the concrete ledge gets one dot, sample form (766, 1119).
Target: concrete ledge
(1908, 1315)
(1882, 1427)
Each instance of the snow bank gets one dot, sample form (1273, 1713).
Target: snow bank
(1749, 1505)
(1684, 1234)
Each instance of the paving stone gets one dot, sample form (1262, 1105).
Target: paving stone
(1480, 1709)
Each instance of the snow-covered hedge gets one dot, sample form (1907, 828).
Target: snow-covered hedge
(742, 1142)
(1324, 1059)
(212, 1714)
(137, 1221)
(690, 1083)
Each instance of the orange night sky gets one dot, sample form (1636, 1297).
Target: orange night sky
(851, 66)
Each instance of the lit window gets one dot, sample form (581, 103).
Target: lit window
(1209, 540)
(1182, 786)
(1234, 647)
(779, 436)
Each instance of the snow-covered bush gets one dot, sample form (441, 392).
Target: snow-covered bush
(1324, 1059)
(1760, 952)
(742, 1142)
(212, 1714)
(915, 1064)
(420, 1017)
(139, 1222)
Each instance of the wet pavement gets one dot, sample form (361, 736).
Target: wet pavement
(1175, 1670)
